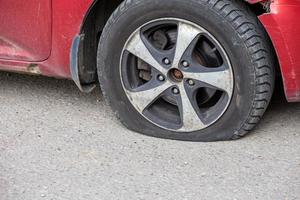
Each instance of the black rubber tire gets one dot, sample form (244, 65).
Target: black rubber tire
(237, 29)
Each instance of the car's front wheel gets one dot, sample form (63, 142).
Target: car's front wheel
(189, 70)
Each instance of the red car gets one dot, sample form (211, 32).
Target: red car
(198, 70)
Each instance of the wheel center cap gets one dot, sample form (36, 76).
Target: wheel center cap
(175, 75)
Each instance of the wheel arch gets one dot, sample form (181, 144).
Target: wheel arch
(84, 47)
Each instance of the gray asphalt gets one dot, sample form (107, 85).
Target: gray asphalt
(57, 143)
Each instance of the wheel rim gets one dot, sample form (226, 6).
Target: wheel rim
(176, 75)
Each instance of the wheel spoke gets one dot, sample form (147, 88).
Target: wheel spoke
(137, 47)
(189, 116)
(145, 97)
(186, 34)
(219, 79)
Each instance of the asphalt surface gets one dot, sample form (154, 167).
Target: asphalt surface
(57, 143)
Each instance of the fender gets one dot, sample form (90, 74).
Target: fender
(282, 26)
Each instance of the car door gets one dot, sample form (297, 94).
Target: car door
(25, 30)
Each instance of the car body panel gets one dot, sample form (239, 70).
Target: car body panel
(68, 18)
(25, 31)
(282, 24)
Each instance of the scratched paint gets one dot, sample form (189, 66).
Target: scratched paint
(25, 30)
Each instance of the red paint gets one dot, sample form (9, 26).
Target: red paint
(67, 18)
(41, 33)
(20, 21)
(283, 27)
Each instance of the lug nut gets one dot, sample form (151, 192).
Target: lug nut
(191, 82)
(167, 61)
(161, 78)
(185, 63)
(175, 91)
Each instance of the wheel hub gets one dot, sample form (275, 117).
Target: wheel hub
(175, 75)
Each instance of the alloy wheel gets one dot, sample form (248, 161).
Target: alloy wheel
(176, 75)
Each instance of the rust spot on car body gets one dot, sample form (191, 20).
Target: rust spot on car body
(34, 69)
